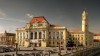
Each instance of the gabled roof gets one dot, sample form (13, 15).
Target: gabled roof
(38, 19)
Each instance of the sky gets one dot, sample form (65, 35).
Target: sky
(16, 13)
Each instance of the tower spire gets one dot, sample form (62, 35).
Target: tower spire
(85, 20)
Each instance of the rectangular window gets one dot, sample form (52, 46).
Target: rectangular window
(61, 42)
(49, 42)
(49, 33)
(53, 42)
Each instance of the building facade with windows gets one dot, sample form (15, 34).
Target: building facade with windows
(82, 37)
(7, 38)
(96, 39)
(40, 33)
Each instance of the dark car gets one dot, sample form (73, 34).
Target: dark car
(1, 50)
(68, 48)
(6, 49)
(20, 55)
(61, 48)
(12, 49)
(34, 49)
(7, 55)
(26, 54)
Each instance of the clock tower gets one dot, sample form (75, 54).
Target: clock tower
(85, 21)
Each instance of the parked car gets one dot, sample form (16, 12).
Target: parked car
(26, 54)
(1, 50)
(1, 55)
(61, 48)
(7, 55)
(45, 52)
(34, 49)
(68, 48)
(12, 49)
(20, 55)
(6, 49)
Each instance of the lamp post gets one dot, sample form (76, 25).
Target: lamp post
(59, 53)
(16, 48)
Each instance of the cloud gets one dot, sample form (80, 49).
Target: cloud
(22, 21)
(12, 19)
(2, 29)
(29, 15)
(2, 14)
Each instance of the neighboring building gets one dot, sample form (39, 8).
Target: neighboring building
(40, 33)
(96, 40)
(82, 37)
(7, 38)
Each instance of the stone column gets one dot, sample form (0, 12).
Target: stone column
(19, 38)
(22, 38)
(25, 35)
(37, 38)
(45, 35)
(16, 38)
(28, 35)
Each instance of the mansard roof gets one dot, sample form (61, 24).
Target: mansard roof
(96, 40)
(97, 35)
(38, 19)
(75, 31)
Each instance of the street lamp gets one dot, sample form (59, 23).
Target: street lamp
(16, 48)
(59, 53)
(16, 44)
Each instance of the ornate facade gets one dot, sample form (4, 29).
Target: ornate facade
(40, 33)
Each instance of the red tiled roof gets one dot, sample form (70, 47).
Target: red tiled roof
(97, 35)
(39, 19)
(96, 40)
(54, 25)
(75, 31)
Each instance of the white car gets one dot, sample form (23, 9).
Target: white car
(45, 52)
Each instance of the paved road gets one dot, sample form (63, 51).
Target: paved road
(23, 52)
(98, 54)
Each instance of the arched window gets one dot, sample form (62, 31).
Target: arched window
(39, 35)
(35, 35)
